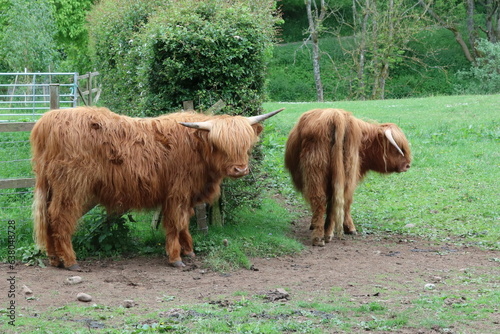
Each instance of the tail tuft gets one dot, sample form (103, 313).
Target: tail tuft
(40, 218)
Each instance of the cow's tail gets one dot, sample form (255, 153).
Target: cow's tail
(40, 214)
(337, 170)
(292, 158)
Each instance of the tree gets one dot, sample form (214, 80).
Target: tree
(451, 21)
(450, 14)
(492, 20)
(383, 32)
(155, 54)
(484, 75)
(315, 18)
(72, 36)
(28, 41)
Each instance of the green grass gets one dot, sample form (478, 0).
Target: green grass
(451, 191)
(450, 194)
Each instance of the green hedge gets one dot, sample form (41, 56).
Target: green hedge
(155, 54)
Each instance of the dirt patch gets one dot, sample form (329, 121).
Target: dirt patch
(365, 267)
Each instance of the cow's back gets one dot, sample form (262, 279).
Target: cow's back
(115, 159)
(308, 148)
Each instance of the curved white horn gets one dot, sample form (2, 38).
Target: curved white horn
(257, 119)
(198, 125)
(388, 134)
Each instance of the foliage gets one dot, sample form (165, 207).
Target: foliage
(28, 40)
(30, 255)
(484, 76)
(295, 19)
(153, 55)
(72, 36)
(103, 235)
(290, 75)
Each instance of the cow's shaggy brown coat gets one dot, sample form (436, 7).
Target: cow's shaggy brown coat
(328, 152)
(87, 156)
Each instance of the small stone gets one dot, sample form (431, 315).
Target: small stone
(410, 225)
(278, 294)
(83, 297)
(430, 286)
(225, 242)
(73, 280)
(128, 303)
(26, 291)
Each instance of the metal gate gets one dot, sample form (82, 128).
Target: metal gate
(28, 94)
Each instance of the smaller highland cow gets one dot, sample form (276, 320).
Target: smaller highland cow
(328, 152)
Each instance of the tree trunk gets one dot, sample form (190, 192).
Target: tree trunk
(362, 49)
(384, 73)
(315, 22)
(471, 29)
(453, 29)
(493, 21)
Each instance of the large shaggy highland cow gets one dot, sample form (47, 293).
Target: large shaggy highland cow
(88, 156)
(328, 152)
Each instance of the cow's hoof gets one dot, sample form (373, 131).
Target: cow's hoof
(56, 262)
(177, 264)
(191, 255)
(351, 232)
(75, 267)
(328, 238)
(318, 242)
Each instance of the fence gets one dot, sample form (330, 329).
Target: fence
(25, 97)
(31, 94)
(16, 188)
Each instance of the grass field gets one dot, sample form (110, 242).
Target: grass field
(451, 191)
(450, 194)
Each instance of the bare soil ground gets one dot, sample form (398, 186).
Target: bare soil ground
(365, 267)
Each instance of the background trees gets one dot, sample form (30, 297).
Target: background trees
(44, 35)
(386, 49)
(364, 49)
(28, 36)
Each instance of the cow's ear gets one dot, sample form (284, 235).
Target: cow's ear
(257, 128)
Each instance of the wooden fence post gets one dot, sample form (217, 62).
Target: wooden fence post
(188, 105)
(54, 96)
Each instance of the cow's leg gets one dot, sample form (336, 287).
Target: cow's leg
(318, 208)
(175, 223)
(315, 191)
(63, 216)
(186, 242)
(351, 183)
(349, 227)
(185, 238)
(54, 260)
(329, 221)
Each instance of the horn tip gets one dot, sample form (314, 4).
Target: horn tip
(190, 125)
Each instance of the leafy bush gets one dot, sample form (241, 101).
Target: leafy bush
(104, 236)
(484, 76)
(155, 54)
